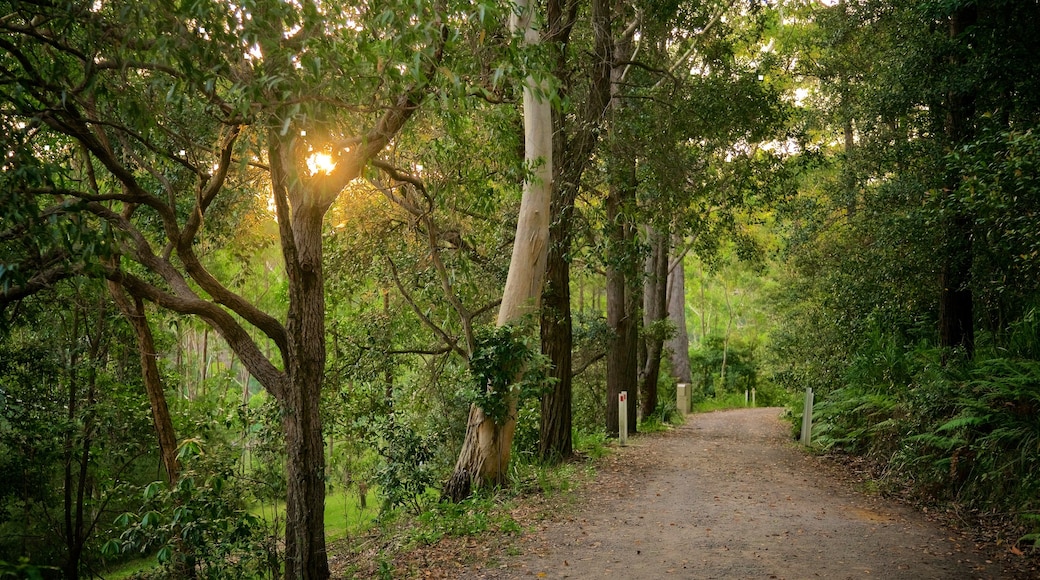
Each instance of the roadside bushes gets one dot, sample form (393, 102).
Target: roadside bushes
(968, 431)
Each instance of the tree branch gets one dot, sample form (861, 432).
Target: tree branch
(453, 344)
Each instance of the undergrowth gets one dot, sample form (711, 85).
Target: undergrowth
(966, 432)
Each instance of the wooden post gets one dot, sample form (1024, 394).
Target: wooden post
(623, 418)
(682, 398)
(753, 404)
(807, 417)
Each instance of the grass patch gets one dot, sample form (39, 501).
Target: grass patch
(131, 569)
(653, 424)
(470, 517)
(717, 403)
(344, 515)
(591, 445)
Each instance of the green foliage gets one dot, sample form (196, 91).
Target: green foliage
(714, 357)
(720, 402)
(200, 524)
(70, 403)
(594, 444)
(507, 362)
(966, 432)
(23, 570)
(407, 472)
(539, 477)
(470, 517)
(526, 435)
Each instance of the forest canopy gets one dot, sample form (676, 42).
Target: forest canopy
(261, 258)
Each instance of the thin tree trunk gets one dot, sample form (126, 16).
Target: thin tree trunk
(679, 344)
(956, 312)
(622, 263)
(655, 311)
(133, 310)
(725, 336)
(72, 544)
(205, 362)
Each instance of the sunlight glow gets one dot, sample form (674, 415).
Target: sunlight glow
(320, 162)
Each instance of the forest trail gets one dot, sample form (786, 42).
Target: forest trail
(729, 495)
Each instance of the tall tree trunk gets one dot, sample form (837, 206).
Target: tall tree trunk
(956, 313)
(73, 546)
(572, 149)
(679, 344)
(622, 307)
(305, 551)
(655, 290)
(725, 336)
(486, 448)
(554, 432)
(622, 261)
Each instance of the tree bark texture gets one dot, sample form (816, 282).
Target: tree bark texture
(554, 434)
(622, 266)
(678, 345)
(133, 311)
(301, 209)
(573, 144)
(622, 308)
(486, 447)
(655, 311)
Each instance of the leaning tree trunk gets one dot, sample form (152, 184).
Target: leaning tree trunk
(133, 311)
(486, 448)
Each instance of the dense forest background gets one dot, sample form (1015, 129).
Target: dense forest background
(275, 272)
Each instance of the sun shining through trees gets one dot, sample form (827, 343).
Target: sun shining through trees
(320, 162)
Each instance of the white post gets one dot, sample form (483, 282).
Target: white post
(682, 397)
(622, 410)
(753, 404)
(747, 397)
(807, 417)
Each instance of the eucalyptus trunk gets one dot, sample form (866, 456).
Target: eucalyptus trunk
(484, 457)
(305, 551)
(622, 267)
(622, 307)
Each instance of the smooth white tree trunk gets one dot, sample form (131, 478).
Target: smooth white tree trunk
(486, 449)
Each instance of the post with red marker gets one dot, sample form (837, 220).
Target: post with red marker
(622, 409)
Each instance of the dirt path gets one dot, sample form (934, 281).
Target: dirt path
(727, 495)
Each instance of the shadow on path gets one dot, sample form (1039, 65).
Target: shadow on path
(728, 495)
